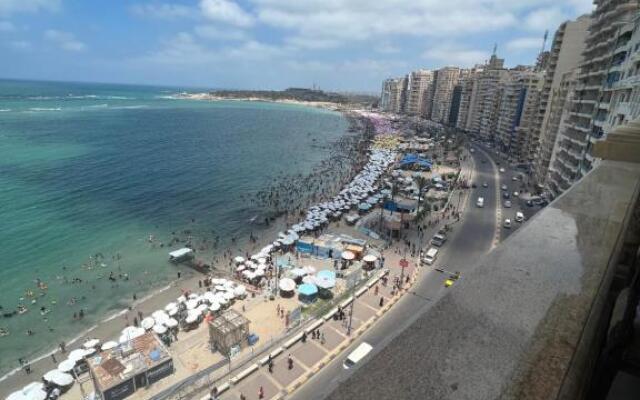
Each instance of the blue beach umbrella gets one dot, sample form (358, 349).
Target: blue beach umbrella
(307, 289)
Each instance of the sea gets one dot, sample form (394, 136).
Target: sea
(102, 180)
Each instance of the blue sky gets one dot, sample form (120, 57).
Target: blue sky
(267, 44)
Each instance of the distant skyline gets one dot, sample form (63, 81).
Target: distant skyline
(346, 45)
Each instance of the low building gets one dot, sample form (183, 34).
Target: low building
(118, 373)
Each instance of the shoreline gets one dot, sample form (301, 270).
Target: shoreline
(156, 298)
(203, 96)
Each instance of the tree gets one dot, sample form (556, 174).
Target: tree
(422, 183)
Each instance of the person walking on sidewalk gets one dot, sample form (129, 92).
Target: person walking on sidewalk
(381, 301)
(261, 393)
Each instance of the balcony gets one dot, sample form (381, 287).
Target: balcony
(530, 319)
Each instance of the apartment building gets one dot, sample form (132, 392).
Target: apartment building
(565, 55)
(518, 108)
(600, 70)
(392, 97)
(419, 93)
(484, 111)
(445, 81)
(468, 93)
(625, 93)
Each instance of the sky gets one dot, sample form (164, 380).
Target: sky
(345, 45)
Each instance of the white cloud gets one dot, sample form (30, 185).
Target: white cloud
(26, 6)
(303, 42)
(20, 45)
(226, 11)
(546, 18)
(524, 43)
(162, 10)
(449, 54)
(64, 40)
(6, 26)
(213, 33)
(386, 48)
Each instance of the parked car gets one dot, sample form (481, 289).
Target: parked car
(507, 223)
(519, 217)
(516, 194)
(438, 240)
(507, 204)
(514, 178)
(501, 170)
(504, 187)
(485, 184)
(473, 185)
(506, 195)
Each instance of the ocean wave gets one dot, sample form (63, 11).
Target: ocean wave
(36, 109)
(96, 106)
(5, 109)
(135, 107)
(166, 97)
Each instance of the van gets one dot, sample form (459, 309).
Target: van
(519, 217)
(438, 240)
(356, 355)
(430, 257)
(480, 202)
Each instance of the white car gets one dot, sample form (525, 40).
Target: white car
(514, 178)
(480, 202)
(507, 204)
(504, 187)
(507, 223)
(485, 184)
(501, 170)
(519, 217)
(516, 194)
(356, 355)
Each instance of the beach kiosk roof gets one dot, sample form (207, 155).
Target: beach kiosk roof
(139, 363)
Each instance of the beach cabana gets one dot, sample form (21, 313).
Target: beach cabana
(307, 292)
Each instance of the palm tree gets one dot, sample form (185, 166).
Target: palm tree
(422, 183)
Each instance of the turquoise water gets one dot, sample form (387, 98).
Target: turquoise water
(89, 171)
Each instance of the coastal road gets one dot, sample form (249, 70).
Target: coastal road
(471, 238)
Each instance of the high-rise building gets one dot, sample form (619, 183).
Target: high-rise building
(391, 99)
(445, 80)
(468, 95)
(518, 106)
(419, 88)
(625, 93)
(600, 70)
(455, 105)
(565, 55)
(486, 103)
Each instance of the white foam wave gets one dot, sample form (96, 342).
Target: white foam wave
(5, 109)
(36, 109)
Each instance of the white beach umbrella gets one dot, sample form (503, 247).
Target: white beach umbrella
(111, 344)
(172, 312)
(239, 259)
(91, 343)
(160, 315)
(348, 255)
(76, 355)
(191, 318)
(191, 304)
(171, 323)
(170, 306)
(194, 296)
(130, 333)
(148, 323)
(159, 329)
(181, 299)
(214, 306)
(88, 352)
(58, 377)
(309, 270)
(67, 365)
(287, 284)
(228, 295)
(240, 267)
(241, 290)
(369, 258)
(33, 391)
(202, 308)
